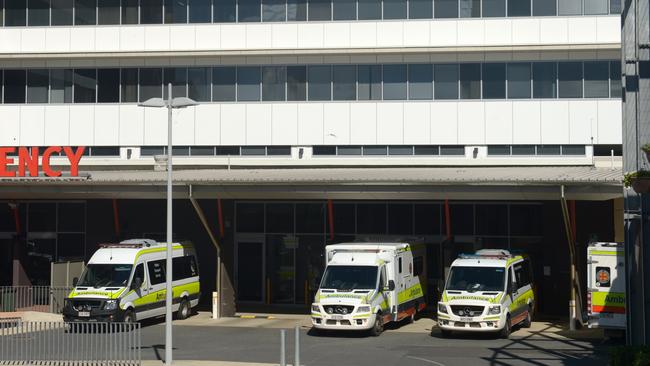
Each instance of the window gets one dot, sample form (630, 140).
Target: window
(570, 79)
(445, 81)
(614, 6)
(573, 150)
(150, 84)
(176, 11)
(499, 150)
(129, 85)
(319, 78)
(177, 76)
(369, 9)
(544, 8)
(37, 85)
(374, 150)
(548, 150)
(224, 11)
(85, 82)
(324, 150)
(184, 267)
(130, 12)
(249, 11)
(349, 150)
(273, 83)
(202, 151)
(452, 150)
(200, 11)
(278, 150)
(420, 9)
(369, 82)
(596, 79)
(494, 8)
(615, 79)
(400, 150)
(445, 9)
(394, 82)
(344, 79)
(16, 14)
(569, 7)
(595, 7)
(139, 272)
(494, 81)
(420, 82)
(198, 83)
(61, 86)
(394, 9)
(544, 80)
(108, 85)
(523, 150)
(85, 12)
(470, 81)
(274, 10)
(151, 12)
(371, 218)
(296, 83)
(399, 265)
(38, 12)
(108, 12)
(61, 12)
(248, 83)
(223, 84)
(296, 10)
(470, 8)
(519, 8)
(519, 80)
(426, 150)
(157, 271)
(344, 9)
(400, 219)
(319, 10)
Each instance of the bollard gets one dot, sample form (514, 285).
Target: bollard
(283, 356)
(296, 356)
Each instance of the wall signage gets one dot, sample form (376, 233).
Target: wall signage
(29, 162)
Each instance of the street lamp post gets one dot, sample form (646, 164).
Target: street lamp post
(170, 104)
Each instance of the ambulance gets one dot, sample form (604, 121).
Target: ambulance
(489, 291)
(366, 285)
(606, 286)
(126, 282)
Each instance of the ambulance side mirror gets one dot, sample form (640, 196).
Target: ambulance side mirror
(136, 284)
(391, 286)
(75, 281)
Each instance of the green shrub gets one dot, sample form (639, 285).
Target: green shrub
(630, 356)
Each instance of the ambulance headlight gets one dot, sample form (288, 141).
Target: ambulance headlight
(494, 310)
(363, 309)
(315, 308)
(110, 305)
(442, 308)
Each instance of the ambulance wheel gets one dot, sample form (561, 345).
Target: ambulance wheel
(378, 327)
(507, 329)
(129, 316)
(529, 319)
(184, 310)
(445, 333)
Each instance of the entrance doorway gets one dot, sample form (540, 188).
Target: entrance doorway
(250, 269)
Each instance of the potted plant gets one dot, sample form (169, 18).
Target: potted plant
(646, 150)
(640, 181)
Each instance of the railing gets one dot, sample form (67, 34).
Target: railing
(33, 298)
(69, 344)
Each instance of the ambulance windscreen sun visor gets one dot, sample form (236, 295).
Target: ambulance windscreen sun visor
(348, 278)
(105, 275)
(473, 279)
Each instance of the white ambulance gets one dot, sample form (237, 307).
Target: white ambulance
(126, 282)
(366, 285)
(606, 286)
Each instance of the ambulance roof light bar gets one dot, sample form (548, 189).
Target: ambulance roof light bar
(132, 243)
(487, 253)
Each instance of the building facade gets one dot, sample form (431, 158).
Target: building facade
(464, 123)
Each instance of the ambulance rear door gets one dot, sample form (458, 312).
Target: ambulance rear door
(606, 285)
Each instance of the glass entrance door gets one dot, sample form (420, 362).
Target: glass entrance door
(250, 269)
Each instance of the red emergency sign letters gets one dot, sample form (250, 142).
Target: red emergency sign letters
(28, 161)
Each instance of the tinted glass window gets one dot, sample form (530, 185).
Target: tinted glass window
(544, 80)
(108, 85)
(548, 150)
(85, 12)
(494, 8)
(494, 81)
(61, 86)
(400, 219)
(615, 6)
(184, 267)
(39, 12)
(615, 79)
(223, 84)
(273, 83)
(344, 9)
(394, 9)
(224, 11)
(16, 13)
(319, 82)
(523, 150)
(129, 11)
(519, 8)
(420, 81)
(108, 12)
(470, 81)
(369, 9)
(139, 272)
(249, 11)
(296, 83)
(344, 79)
(570, 79)
(394, 82)
(369, 82)
(61, 12)
(157, 271)
(569, 7)
(596, 7)
(445, 9)
(198, 83)
(151, 11)
(470, 8)
(248, 83)
(371, 218)
(85, 82)
(519, 77)
(446, 81)
(274, 10)
(176, 11)
(129, 85)
(37, 85)
(420, 9)
(319, 10)
(200, 11)
(544, 7)
(596, 79)
(296, 10)
(150, 84)
(177, 76)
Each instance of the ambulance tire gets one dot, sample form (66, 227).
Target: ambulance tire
(378, 327)
(129, 316)
(184, 310)
(445, 333)
(529, 319)
(507, 329)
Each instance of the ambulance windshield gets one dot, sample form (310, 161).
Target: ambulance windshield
(105, 275)
(348, 278)
(473, 279)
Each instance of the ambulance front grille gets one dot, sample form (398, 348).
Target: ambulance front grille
(86, 305)
(339, 309)
(467, 310)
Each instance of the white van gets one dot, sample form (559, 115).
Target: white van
(606, 286)
(366, 285)
(126, 282)
(489, 291)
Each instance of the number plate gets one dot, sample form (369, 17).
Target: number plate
(337, 317)
(466, 319)
(84, 314)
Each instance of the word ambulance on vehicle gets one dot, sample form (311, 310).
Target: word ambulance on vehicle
(127, 282)
(489, 291)
(606, 285)
(366, 285)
